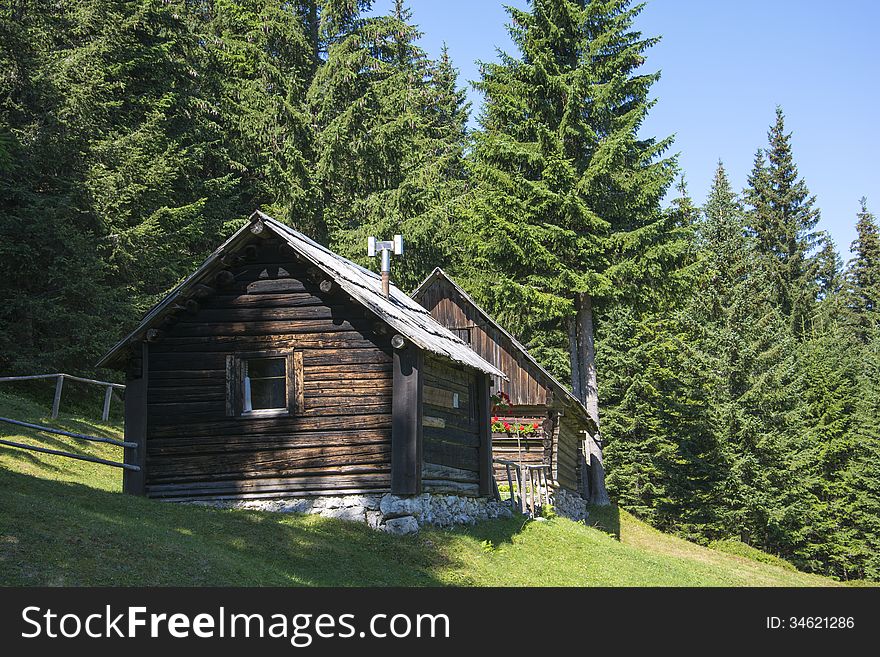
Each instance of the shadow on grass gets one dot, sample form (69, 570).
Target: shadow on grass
(606, 519)
(63, 533)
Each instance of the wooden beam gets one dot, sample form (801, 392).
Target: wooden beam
(406, 422)
(108, 395)
(326, 285)
(435, 422)
(299, 405)
(56, 402)
(484, 419)
(136, 426)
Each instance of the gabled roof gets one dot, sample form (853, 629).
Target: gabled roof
(399, 311)
(558, 389)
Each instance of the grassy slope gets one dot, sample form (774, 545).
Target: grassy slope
(64, 522)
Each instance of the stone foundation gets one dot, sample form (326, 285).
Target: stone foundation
(569, 504)
(397, 514)
(390, 513)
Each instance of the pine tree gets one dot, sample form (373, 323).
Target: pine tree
(863, 274)
(566, 205)
(257, 67)
(782, 218)
(52, 301)
(664, 457)
(721, 313)
(389, 145)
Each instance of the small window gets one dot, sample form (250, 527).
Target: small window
(463, 334)
(264, 384)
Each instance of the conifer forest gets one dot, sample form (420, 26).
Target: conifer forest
(732, 356)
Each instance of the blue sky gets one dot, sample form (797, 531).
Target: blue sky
(725, 66)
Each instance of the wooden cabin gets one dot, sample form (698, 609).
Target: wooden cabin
(280, 369)
(564, 426)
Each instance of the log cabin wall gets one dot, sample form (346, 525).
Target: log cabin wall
(567, 450)
(445, 305)
(337, 437)
(451, 429)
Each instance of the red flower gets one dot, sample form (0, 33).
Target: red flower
(495, 419)
(507, 426)
(535, 426)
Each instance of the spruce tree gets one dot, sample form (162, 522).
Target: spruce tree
(258, 63)
(863, 273)
(389, 143)
(782, 218)
(566, 208)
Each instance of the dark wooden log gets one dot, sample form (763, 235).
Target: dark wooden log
(267, 463)
(298, 383)
(136, 414)
(484, 408)
(450, 434)
(162, 428)
(152, 335)
(406, 422)
(169, 320)
(365, 481)
(201, 291)
(447, 487)
(434, 471)
(224, 278)
(187, 444)
(192, 306)
(326, 285)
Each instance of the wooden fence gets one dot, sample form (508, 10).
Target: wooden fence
(531, 489)
(69, 434)
(59, 386)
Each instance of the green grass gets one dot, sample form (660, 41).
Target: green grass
(64, 522)
(733, 546)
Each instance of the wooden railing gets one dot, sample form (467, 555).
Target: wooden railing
(532, 487)
(69, 434)
(59, 386)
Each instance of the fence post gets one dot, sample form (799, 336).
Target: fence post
(108, 394)
(59, 384)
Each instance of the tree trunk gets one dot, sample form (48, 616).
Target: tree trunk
(576, 380)
(587, 385)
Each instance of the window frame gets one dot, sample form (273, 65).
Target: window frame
(235, 388)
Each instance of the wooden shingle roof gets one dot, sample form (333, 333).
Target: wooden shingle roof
(399, 311)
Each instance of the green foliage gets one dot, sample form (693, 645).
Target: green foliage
(738, 361)
(548, 512)
(389, 143)
(566, 193)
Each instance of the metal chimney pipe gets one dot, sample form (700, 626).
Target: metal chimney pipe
(385, 249)
(386, 272)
